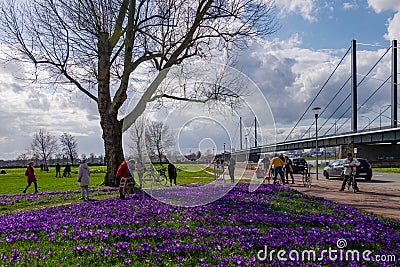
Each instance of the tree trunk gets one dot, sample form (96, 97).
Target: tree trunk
(112, 128)
(112, 136)
(72, 159)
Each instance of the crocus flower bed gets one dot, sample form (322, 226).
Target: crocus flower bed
(240, 229)
(20, 201)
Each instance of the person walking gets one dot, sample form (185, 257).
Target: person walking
(289, 169)
(350, 165)
(58, 170)
(67, 170)
(172, 173)
(231, 169)
(278, 168)
(30, 173)
(84, 179)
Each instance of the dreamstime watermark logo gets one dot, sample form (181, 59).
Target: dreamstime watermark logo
(337, 254)
(207, 111)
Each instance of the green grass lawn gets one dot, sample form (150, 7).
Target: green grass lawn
(55, 228)
(15, 180)
(395, 170)
(231, 231)
(188, 174)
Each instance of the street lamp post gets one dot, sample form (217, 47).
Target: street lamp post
(223, 153)
(369, 122)
(316, 109)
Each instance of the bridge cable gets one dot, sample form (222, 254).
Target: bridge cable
(373, 67)
(312, 102)
(379, 115)
(341, 104)
(330, 102)
(365, 100)
(362, 80)
(337, 107)
(234, 136)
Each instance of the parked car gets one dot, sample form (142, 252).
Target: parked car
(336, 168)
(298, 165)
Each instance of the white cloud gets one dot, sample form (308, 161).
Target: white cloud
(393, 28)
(350, 5)
(286, 74)
(306, 8)
(393, 24)
(382, 5)
(290, 77)
(26, 108)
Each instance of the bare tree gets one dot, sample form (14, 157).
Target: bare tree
(69, 146)
(92, 157)
(24, 158)
(158, 140)
(99, 46)
(136, 136)
(44, 145)
(58, 156)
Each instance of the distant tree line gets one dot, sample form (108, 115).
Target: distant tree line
(48, 149)
(100, 47)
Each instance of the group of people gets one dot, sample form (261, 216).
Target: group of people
(83, 178)
(126, 168)
(219, 168)
(281, 164)
(67, 170)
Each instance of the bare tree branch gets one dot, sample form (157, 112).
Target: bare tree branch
(101, 46)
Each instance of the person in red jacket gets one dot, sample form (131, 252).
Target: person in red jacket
(30, 172)
(123, 171)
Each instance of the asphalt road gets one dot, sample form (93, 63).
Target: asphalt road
(382, 179)
(386, 179)
(380, 196)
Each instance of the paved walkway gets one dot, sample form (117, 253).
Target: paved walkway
(380, 196)
(374, 198)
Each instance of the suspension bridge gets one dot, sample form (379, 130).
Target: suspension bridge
(346, 117)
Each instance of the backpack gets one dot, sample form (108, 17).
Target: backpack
(26, 172)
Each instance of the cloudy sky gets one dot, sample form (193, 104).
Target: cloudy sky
(289, 68)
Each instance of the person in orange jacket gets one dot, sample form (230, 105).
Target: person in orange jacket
(278, 164)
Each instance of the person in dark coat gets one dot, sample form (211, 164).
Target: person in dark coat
(58, 170)
(67, 171)
(31, 177)
(231, 169)
(289, 169)
(171, 173)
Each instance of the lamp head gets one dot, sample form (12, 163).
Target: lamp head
(316, 110)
